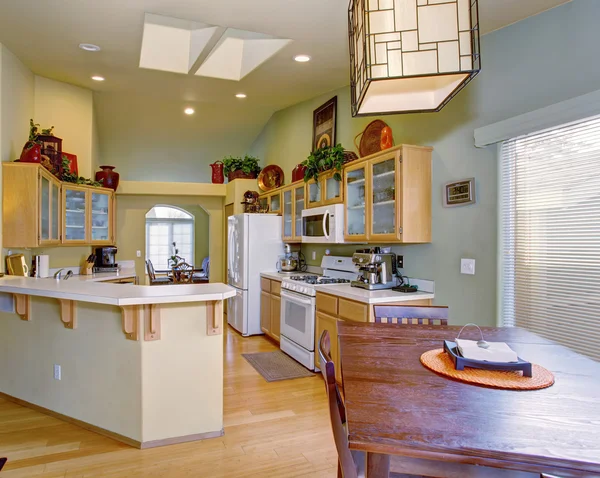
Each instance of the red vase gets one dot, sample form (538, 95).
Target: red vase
(108, 177)
(32, 153)
(298, 173)
(217, 172)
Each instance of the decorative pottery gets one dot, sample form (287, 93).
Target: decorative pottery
(370, 143)
(387, 140)
(298, 173)
(239, 174)
(32, 153)
(217, 172)
(108, 177)
(271, 177)
(72, 158)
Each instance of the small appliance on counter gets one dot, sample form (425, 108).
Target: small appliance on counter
(377, 270)
(16, 265)
(105, 259)
(291, 261)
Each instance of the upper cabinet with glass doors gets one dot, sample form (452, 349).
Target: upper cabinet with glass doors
(39, 210)
(88, 215)
(327, 190)
(293, 205)
(388, 197)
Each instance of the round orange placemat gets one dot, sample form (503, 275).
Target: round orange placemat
(439, 361)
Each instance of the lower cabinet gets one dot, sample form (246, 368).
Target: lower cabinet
(331, 310)
(328, 323)
(270, 308)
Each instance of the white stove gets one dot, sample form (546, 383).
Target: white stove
(298, 306)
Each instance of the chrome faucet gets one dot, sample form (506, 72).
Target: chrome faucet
(58, 274)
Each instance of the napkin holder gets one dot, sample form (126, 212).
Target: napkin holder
(461, 362)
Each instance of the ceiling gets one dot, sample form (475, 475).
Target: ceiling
(46, 40)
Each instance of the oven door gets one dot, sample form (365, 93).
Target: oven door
(298, 319)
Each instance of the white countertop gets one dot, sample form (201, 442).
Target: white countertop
(385, 296)
(274, 275)
(101, 276)
(115, 294)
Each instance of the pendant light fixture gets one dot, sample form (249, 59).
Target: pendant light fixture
(411, 56)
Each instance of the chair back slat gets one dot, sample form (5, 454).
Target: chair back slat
(150, 269)
(337, 411)
(411, 315)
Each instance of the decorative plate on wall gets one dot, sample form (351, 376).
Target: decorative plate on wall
(271, 177)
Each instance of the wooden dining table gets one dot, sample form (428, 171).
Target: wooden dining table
(396, 406)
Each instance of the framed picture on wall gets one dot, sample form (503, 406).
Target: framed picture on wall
(324, 124)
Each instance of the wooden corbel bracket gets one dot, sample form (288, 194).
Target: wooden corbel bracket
(68, 313)
(129, 316)
(23, 306)
(214, 317)
(151, 322)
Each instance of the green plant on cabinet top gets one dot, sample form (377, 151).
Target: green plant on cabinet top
(324, 159)
(247, 164)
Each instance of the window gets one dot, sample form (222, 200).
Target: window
(550, 234)
(165, 225)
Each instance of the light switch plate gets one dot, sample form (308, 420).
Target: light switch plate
(138, 253)
(467, 266)
(57, 372)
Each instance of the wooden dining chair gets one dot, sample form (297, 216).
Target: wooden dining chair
(411, 314)
(152, 275)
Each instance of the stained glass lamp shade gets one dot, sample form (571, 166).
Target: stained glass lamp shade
(410, 56)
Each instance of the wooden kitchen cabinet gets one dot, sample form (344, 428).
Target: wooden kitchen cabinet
(324, 192)
(270, 308)
(31, 209)
(88, 215)
(388, 197)
(293, 205)
(331, 309)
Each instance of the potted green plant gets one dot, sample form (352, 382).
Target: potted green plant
(324, 159)
(244, 168)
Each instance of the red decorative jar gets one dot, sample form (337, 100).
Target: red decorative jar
(217, 172)
(108, 177)
(298, 173)
(32, 153)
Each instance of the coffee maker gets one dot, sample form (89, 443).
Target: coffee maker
(105, 259)
(377, 270)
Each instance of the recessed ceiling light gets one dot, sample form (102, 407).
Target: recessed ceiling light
(98, 78)
(241, 95)
(302, 58)
(189, 111)
(89, 47)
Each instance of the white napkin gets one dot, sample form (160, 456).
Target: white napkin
(496, 352)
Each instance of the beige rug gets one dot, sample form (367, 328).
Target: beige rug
(275, 366)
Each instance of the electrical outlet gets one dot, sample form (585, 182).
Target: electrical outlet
(400, 262)
(314, 255)
(57, 372)
(467, 266)
(138, 253)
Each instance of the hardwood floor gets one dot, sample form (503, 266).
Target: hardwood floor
(278, 429)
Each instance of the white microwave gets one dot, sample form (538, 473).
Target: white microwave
(323, 225)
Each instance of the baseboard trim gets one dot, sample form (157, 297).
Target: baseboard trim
(182, 439)
(74, 421)
(108, 433)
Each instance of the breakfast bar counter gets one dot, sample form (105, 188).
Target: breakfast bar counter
(141, 364)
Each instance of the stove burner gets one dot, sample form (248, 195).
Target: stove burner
(315, 280)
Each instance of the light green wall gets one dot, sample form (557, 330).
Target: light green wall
(529, 65)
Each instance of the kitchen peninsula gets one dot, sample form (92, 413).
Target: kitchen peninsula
(140, 364)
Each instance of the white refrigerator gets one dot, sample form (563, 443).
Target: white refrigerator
(254, 245)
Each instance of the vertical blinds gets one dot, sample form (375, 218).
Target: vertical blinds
(550, 234)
